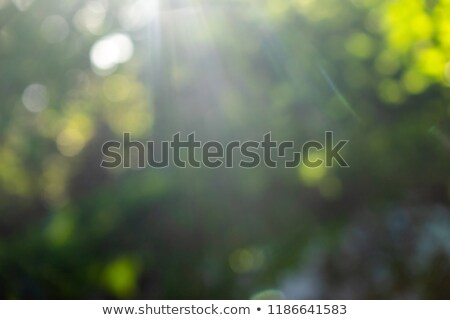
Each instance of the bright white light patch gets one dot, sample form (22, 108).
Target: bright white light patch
(35, 97)
(111, 50)
(91, 17)
(138, 13)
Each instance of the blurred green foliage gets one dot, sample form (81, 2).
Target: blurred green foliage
(77, 73)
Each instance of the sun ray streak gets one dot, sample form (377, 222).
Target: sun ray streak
(338, 93)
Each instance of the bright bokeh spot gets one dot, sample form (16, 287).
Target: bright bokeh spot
(406, 23)
(76, 133)
(70, 142)
(110, 51)
(35, 97)
(419, 33)
(443, 27)
(312, 176)
(120, 277)
(360, 45)
(414, 82)
(431, 62)
(91, 17)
